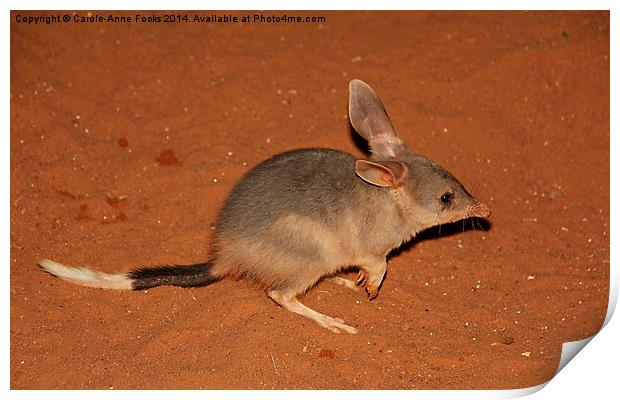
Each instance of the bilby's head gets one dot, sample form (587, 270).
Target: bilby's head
(428, 192)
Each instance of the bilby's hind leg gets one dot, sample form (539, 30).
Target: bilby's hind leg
(288, 300)
(345, 282)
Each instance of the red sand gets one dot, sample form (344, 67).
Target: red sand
(125, 139)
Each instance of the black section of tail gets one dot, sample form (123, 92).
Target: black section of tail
(176, 275)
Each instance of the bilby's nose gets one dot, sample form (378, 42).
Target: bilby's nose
(478, 209)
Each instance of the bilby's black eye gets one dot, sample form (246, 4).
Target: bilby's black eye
(446, 198)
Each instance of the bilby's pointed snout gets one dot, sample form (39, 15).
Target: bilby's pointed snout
(478, 209)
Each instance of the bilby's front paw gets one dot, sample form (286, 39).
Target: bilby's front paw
(372, 291)
(361, 278)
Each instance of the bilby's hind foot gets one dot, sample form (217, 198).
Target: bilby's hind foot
(362, 279)
(288, 301)
(335, 325)
(345, 282)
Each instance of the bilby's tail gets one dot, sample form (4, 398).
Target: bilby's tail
(143, 278)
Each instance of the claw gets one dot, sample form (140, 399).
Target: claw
(361, 278)
(372, 291)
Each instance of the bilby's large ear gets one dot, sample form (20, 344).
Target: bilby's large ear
(384, 174)
(369, 118)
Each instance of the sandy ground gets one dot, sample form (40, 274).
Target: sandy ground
(126, 138)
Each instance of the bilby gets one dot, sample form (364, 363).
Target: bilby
(307, 214)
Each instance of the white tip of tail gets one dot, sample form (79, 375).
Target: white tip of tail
(87, 277)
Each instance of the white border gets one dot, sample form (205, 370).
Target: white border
(595, 373)
(312, 5)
